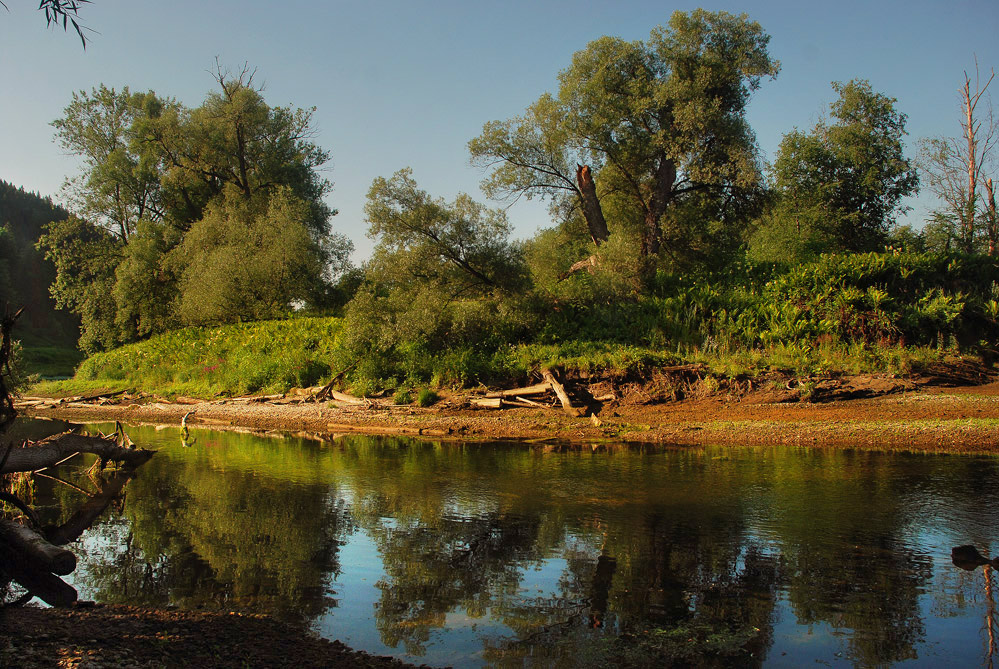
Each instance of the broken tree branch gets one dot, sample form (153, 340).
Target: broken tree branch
(47, 452)
(560, 392)
(589, 264)
(34, 549)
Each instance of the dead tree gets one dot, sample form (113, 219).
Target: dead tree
(30, 554)
(979, 147)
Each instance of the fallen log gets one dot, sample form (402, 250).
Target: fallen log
(46, 586)
(487, 402)
(51, 450)
(347, 399)
(693, 367)
(531, 403)
(93, 398)
(536, 389)
(33, 549)
(563, 397)
(521, 402)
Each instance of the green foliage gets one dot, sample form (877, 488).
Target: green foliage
(155, 173)
(638, 114)
(145, 289)
(442, 293)
(840, 185)
(25, 274)
(461, 249)
(427, 397)
(247, 259)
(402, 396)
(85, 257)
(234, 359)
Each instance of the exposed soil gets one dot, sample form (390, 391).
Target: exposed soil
(124, 636)
(951, 407)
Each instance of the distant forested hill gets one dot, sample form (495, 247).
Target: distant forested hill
(25, 275)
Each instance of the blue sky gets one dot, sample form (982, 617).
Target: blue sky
(401, 84)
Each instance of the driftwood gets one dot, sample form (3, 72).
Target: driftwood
(102, 396)
(346, 399)
(324, 392)
(487, 402)
(249, 399)
(34, 549)
(48, 452)
(563, 397)
(536, 389)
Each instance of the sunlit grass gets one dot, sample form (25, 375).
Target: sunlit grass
(268, 356)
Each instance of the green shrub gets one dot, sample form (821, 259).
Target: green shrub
(427, 397)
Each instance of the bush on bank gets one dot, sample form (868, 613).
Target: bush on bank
(875, 312)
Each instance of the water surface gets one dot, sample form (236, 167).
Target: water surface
(506, 554)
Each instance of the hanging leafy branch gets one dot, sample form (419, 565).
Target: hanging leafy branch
(65, 12)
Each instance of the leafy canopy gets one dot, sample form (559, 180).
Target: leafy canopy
(462, 247)
(656, 122)
(841, 185)
(154, 172)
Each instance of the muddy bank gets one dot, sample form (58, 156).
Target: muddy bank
(126, 636)
(939, 413)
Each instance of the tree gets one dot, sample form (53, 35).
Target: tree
(85, 257)
(653, 123)
(235, 138)
(247, 259)
(442, 276)
(840, 186)
(462, 248)
(955, 168)
(120, 180)
(154, 170)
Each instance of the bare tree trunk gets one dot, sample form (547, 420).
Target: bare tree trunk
(970, 130)
(976, 154)
(34, 549)
(992, 222)
(662, 194)
(592, 211)
(45, 585)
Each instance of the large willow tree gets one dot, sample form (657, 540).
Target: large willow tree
(639, 130)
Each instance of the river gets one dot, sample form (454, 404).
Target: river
(506, 554)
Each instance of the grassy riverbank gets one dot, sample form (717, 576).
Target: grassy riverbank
(876, 313)
(275, 356)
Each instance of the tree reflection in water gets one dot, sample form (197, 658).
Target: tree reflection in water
(627, 556)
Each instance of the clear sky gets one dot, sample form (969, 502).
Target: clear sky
(408, 83)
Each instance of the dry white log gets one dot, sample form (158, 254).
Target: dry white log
(347, 399)
(560, 392)
(487, 402)
(536, 389)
